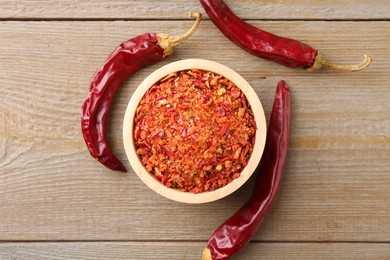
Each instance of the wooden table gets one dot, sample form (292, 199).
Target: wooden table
(56, 202)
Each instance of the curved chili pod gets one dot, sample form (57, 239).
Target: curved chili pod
(236, 232)
(288, 52)
(129, 57)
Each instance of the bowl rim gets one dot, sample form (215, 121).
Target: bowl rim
(260, 135)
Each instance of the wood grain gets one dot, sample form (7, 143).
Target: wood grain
(336, 181)
(189, 250)
(177, 9)
(56, 202)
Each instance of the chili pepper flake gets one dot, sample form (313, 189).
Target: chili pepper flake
(194, 131)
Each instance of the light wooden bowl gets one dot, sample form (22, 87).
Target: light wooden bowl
(149, 179)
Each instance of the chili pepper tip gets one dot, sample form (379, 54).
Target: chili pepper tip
(122, 169)
(283, 84)
(321, 63)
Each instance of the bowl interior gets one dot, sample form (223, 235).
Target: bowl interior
(149, 179)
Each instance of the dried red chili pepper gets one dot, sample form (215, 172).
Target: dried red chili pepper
(236, 232)
(125, 60)
(285, 51)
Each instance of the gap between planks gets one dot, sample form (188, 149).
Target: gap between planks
(192, 241)
(32, 19)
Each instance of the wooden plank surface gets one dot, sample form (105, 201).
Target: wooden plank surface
(176, 9)
(335, 186)
(334, 197)
(189, 250)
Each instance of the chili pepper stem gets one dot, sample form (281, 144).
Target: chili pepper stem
(206, 254)
(321, 63)
(168, 42)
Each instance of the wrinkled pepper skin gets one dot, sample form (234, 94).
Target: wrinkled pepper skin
(125, 60)
(288, 52)
(285, 51)
(129, 57)
(236, 232)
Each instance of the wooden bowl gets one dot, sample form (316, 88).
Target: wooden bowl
(149, 179)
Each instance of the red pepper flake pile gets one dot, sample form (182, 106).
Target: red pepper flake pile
(194, 131)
